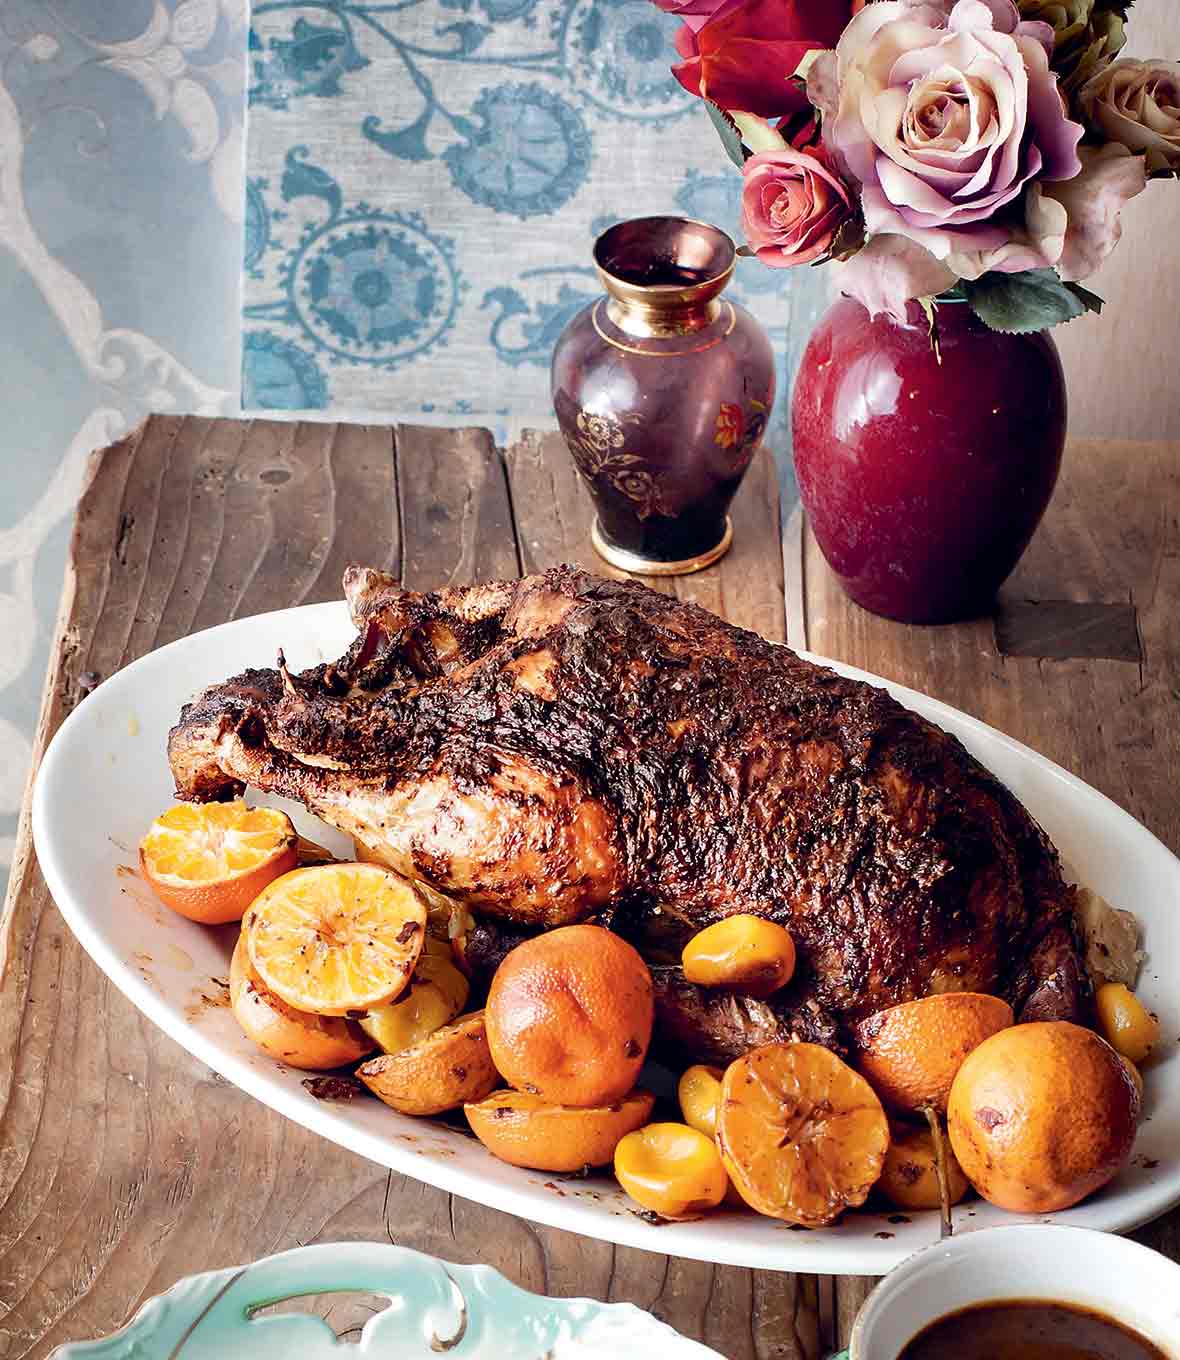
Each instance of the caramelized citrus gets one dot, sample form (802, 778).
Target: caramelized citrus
(441, 1072)
(699, 1094)
(910, 1053)
(801, 1134)
(1042, 1115)
(569, 1016)
(209, 861)
(1126, 1023)
(297, 1038)
(671, 1169)
(525, 1130)
(742, 953)
(436, 994)
(909, 1178)
(337, 938)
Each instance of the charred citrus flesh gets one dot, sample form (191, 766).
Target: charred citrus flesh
(801, 1134)
(336, 938)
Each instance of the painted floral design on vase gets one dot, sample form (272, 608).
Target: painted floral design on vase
(662, 390)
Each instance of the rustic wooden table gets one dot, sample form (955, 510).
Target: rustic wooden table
(125, 1164)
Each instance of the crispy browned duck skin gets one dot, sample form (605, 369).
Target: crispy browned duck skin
(549, 749)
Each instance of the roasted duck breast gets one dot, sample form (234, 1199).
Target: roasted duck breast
(564, 748)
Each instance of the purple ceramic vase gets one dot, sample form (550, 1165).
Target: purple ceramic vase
(662, 390)
(924, 474)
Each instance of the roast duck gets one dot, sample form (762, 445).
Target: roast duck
(567, 748)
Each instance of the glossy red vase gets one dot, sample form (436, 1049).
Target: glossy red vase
(924, 480)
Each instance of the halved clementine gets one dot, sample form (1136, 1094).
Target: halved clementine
(336, 939)
(524, 1130)
(801, 1134)
(910, 1053)
(297, 1038)
(210, 861)
(672, 1169)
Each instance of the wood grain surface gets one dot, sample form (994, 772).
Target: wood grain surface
(124, 1163)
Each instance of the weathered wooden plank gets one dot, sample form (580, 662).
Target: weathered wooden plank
(455, 514)
(1112, 536)
(1061, 630)
(124, 1163)
(741, 1313)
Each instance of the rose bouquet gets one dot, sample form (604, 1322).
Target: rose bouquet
(968, 149)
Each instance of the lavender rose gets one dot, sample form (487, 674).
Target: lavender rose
(792, 204)
(1137, 103)
(945, 117)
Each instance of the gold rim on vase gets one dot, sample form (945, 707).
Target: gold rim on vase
(637, 565)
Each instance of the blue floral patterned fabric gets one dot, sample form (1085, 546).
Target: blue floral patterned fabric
(425, 180)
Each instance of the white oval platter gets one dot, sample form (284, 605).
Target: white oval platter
(105, 776)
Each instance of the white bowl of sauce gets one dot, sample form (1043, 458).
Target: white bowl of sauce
(1023, 1292)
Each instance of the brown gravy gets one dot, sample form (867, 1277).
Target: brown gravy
(1028, 1329)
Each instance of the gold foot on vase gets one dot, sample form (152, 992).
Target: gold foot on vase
(638, 565)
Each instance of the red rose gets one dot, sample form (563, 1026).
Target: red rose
(744, 56)
(697, 13)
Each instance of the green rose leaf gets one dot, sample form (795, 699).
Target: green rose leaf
(727, 130)
(1019, 303)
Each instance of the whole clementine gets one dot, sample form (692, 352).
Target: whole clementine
(1042, 1115)
(909, 1054)
(569, 1016)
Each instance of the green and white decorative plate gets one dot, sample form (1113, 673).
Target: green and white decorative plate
(435, 1308)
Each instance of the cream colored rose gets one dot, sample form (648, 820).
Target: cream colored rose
(1137, 103)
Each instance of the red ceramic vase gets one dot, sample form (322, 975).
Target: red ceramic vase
(924, 479)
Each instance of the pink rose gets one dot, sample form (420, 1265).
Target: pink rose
(1137, 103)
(889, 272)
(945, 116)
(792, 205)
(1089, 206)
(744, 55)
